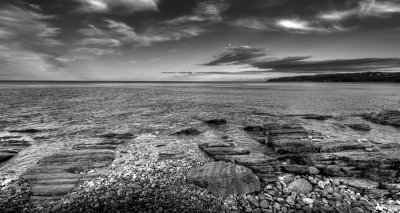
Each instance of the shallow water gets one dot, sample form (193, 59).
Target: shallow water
(73, 113)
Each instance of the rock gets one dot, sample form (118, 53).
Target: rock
(299, 169)
(259, 129)
(308, 201)
(188, 131)
(225, 151)
(29, 130)
(264, 204)
(359, 183)
(10, 148)
(338, 146)
(291, 200)
(5, 156)
(385, 117)
(360, 127)
(116, 135)
(300, 186)
(283, 146)
(57, 174)
(216, 122)
(222, 178)
(214, 144)
(317, 117)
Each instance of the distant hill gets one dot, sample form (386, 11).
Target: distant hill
(344, 77)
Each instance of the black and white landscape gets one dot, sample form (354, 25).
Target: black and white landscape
(273, 106)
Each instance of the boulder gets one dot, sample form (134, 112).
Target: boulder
(223, 179)
(188, 131)
(216, 122)
(385, 117)
(301, 185)
(360, 127)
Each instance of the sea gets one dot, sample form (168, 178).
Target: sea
(73, 113)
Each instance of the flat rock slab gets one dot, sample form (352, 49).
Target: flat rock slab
(385, 117)
(225, 151)
(10, 147)
(283, 146)
(214, 144)
(223, 179)
(58, 174)
(358, 183)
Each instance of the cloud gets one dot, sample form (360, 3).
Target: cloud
(124, 6)
(155, 60)
(293, 25)
(366, 8)
(237, 55)
(28, 40)
(208, 11)
(261, 59)
(254, 23)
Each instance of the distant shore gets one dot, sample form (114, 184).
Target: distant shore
(344, 77)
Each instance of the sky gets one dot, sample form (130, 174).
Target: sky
(195, 40)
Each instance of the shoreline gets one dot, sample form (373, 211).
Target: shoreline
(146, 167)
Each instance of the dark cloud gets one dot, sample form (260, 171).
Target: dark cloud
(259, 58)
(237, 55)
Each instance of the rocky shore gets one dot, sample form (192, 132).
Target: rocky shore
(296, 170)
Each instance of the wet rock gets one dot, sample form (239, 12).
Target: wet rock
(29, 130)
(216, 122)
(300, 186)
(117, 135)
(225, 151)
(188, 131)
(283, 146)
(5, 156)
(359, 183)
(214, 144)
(317, 117)
(222, 178)
(10, 148)
(299, 169)
(360, 127)
(338, 146)
(385, 117)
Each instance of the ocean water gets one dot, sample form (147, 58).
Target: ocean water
(73, 113)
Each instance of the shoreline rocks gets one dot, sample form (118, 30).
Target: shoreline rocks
(223, 179)
(384, 117)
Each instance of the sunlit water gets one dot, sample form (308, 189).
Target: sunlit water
(73, 113)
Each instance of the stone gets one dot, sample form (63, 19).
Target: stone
(219, 121)
(300, 169)
(385, 117)
(225, 151)
(308, 201)
(223, 179)
(338, 146)
(29, 130)
(286, 145)
(214, 144)
(317, 117)
(188, 131)
(301, 185)
(359, 183)
(117, 135)
(264, 204)
(360, 127)
(291, 200)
